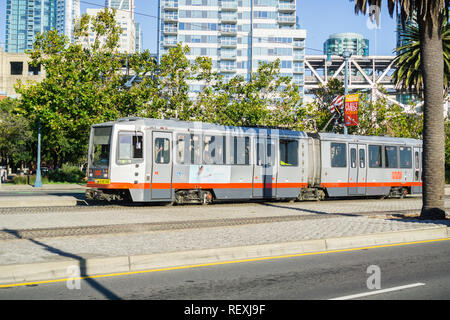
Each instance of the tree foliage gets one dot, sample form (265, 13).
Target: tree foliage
(268, 99)
(408, 73)
(16, 137)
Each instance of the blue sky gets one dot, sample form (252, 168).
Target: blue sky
(319, 17)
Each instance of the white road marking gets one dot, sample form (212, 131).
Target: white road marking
(365, 294)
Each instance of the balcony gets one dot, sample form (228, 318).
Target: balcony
(286, 7)
(170, 17)
(227, 31)
(170, 30)
(299, 56)
(228, 43)
(170, 42)
(228, 5)
(299, 44)
(228, 55)
(228, 18)
(170, 5)
(286, 19)
(228, 68)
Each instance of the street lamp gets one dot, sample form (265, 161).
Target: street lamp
(38, 182)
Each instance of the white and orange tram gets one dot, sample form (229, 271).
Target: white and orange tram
(151, 160)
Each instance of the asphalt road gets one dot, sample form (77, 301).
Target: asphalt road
(422, 268)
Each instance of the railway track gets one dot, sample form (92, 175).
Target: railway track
(85, 206)
(7, 234)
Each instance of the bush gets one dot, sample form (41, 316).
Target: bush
(31, 181)
(66, 174)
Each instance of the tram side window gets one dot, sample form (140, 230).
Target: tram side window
(391, 157)
(405, 157)
(289, 152)
(194, 148)
(375, 156)
(260, 152)
(353, 157)
(183, 148)
(416, 156)
(162, 150)
(362, 158)
(240, 153)
(214, 150)
(130, 147)
(270, 159)
(338, 153)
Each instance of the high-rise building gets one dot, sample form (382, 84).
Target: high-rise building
(125, 18)
(236, 34)
(337, 43)
(125, 5)
(408, 23)
(25, 18)
(68, 11)
(138, 37)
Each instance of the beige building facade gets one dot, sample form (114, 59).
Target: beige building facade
(13, 67)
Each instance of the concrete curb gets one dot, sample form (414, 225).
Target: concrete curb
(10, 274)
(46, 187)
(38, 201)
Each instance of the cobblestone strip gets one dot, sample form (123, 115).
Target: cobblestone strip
(7, 234)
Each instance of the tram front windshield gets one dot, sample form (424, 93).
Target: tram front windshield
(101, 145)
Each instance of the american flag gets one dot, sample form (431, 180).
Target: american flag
(338, 102)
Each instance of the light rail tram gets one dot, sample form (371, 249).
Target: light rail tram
(151, 160)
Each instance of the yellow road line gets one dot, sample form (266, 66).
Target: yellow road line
(220, 263)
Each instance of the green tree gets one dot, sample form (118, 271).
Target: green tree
(83, 86)
(379, 118)
(316, 114)
(16, 136)
(430, 16)
(408, 74)
(268, 99)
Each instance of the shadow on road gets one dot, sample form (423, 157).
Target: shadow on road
(82, 264)
(307, 210)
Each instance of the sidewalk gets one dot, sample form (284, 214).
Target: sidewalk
(49, 258)
(13, 196)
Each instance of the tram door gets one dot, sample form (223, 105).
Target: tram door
(358, 169)
(162, 166)
(416, 188)
(264, 175)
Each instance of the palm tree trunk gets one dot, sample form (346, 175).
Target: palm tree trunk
(433, 206)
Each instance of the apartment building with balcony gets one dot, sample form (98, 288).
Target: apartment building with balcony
(236, 34)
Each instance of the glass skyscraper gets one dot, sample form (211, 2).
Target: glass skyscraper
(337, 43)
(236, 34)
(25, 18)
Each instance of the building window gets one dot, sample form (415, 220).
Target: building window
(17, 68)
(34, 70)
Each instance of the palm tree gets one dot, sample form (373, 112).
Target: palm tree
(430, 16)
(408, 75)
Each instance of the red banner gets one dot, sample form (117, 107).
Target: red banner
(351, 110)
